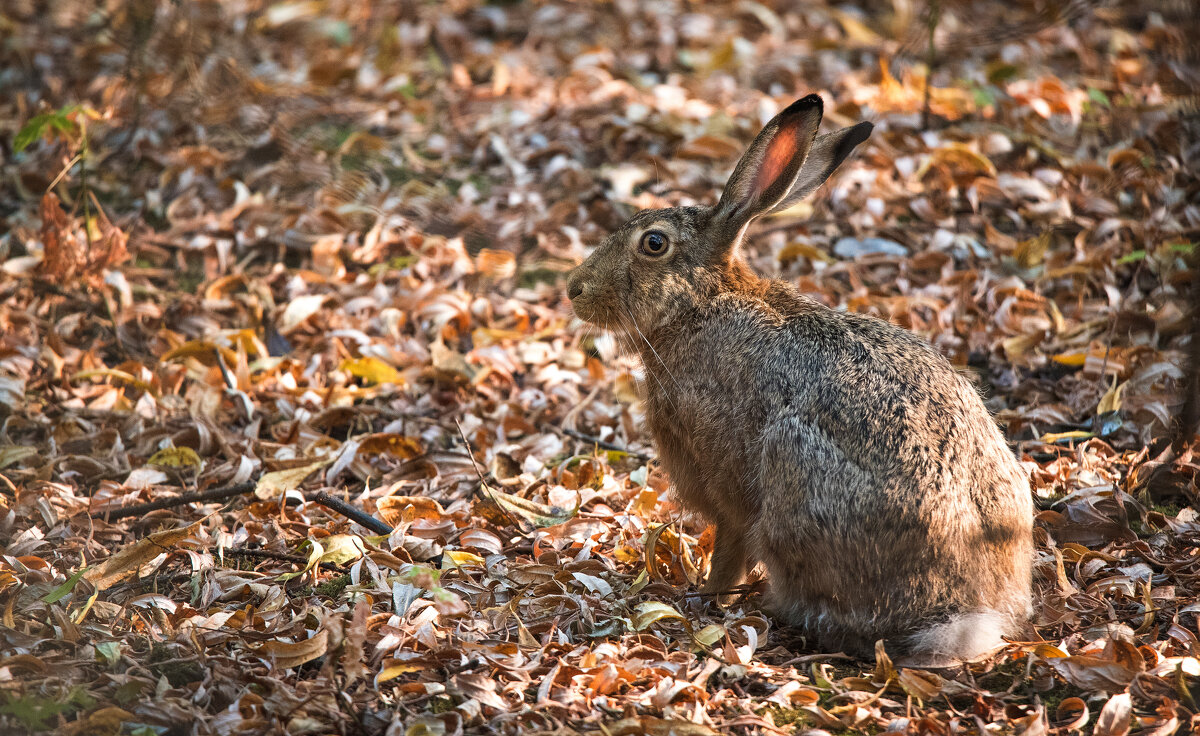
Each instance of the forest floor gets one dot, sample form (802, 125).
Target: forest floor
(263, 250)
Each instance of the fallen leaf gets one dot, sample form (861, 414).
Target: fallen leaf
(277, 482)
(126, 563)
(286, 655)
(299, 310)
(1115, 716)
(175, 457)
(372, 370)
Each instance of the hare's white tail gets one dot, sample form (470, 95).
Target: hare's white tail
(964, 637)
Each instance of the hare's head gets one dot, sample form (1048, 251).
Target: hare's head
(662, 260)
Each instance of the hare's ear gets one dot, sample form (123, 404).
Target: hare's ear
(827, 153)
(769, 167)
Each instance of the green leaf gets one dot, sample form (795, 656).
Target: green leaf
(39, 124)
(33, 130)
(33, 712)
(1134, 257)
(337, 31)
(56, 594)
(109, 651)
(1097, 96)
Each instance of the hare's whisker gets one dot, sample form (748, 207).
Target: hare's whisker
(662, 362)
(626, 340)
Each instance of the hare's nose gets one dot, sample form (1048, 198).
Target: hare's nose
(574, 289)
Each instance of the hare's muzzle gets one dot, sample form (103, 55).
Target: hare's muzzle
(582, 295)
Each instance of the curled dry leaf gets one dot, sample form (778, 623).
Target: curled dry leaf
(299, 310)
(127, 562)
(1072, 714)
(1115, 716)
(285, 655)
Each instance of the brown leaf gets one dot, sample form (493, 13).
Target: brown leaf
(710, 148)
(386, 443)
(285, 655)
(1093, 673)
(1115, 716)
(920, 684)
(126, 563)
(62, 253)
(1072, 714)
(101, 722)
(650, 726)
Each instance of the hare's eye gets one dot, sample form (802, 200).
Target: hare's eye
(654, 243)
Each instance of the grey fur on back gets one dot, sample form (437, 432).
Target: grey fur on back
(841, 451)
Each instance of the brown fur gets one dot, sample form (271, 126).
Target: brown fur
(843, 452)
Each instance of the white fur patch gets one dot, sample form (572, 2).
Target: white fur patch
(964, 637)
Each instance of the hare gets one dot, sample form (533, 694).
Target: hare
(841, 451)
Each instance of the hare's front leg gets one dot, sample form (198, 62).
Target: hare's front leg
(729, 561)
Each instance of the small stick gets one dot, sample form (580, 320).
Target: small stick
(483, 486)
(361, 518)
(601, 443)
(815, 658)
(138, 509)
(935, 15)
(1189, 414)
(735, 590)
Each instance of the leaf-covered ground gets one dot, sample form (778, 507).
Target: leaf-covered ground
(263, 250)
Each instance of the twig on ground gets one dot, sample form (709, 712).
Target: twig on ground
(601, 443)
(358, 516)
(483, 486)
(735, 590)
(815, 658)
(935, 16)
(138, 509)
(1186, 424)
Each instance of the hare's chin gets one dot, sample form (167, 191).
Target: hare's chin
(587, 314)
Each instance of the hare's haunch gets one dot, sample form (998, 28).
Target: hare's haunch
(841, 451)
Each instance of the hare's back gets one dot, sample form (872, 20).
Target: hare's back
(894, 405)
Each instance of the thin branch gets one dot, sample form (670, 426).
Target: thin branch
(935, 15)
(483, 486)
(139, 509)
(1188, 421)
(358, 516)
(806, 658)
(601, 443)
(743, 589)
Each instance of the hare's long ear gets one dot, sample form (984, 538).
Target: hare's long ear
(769, 168)
(827, 153)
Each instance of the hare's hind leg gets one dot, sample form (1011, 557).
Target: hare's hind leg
(729, 561)
(812, 534)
